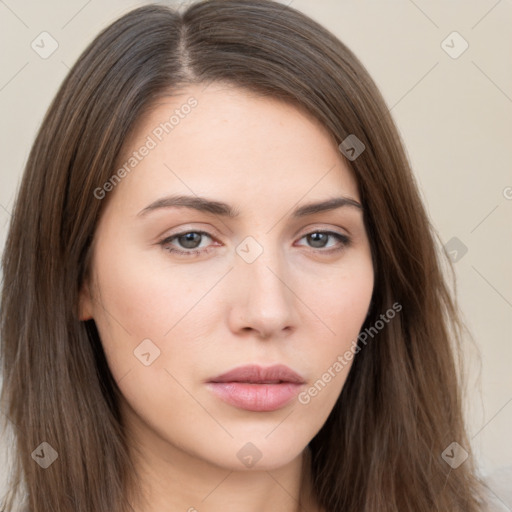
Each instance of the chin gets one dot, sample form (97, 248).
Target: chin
(255, 453)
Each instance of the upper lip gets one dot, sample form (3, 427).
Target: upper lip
(255, 374)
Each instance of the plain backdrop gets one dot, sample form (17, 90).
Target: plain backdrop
(452, 105)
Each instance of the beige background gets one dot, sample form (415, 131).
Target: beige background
(454, 114)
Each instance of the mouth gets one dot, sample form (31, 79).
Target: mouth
(257, 389)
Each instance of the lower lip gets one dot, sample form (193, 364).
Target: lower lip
(255, 397)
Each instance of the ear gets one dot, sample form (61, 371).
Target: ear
(85, 309)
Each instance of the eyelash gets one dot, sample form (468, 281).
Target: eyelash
(343, 239)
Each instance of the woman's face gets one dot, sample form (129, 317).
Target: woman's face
(275, 283)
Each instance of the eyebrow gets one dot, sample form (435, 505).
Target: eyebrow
(220, 208)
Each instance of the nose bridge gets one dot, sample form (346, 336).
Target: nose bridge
(261, 263)
(265, 298)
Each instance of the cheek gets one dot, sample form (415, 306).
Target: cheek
(341, 304)
(341, 297)
(139, 294)
(141, 297)
(129, 307)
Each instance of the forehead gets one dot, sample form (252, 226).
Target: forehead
(225, 141)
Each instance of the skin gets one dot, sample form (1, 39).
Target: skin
(297, 303)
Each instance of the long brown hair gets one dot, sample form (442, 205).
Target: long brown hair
(400, 408)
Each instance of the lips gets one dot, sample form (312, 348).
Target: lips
(257, 389)
(253, 374)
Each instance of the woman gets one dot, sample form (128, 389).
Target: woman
(221, 287)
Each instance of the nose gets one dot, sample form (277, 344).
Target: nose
(263, 301)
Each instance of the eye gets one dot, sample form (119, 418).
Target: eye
(319, 239)
(190, 242)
